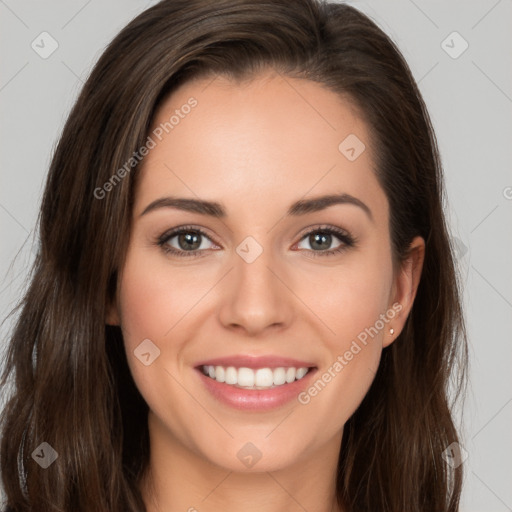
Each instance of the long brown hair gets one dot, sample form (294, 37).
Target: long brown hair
(69, 382)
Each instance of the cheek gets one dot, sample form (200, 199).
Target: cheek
(352, 298)
(163, 305)
(152, 300)
(354, 305)
(353, 309)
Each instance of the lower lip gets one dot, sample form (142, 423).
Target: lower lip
(256, 399)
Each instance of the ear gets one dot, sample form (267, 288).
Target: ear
(405, 287)
(112, 317)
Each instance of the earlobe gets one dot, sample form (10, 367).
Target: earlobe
(405, 288)
(112, 316)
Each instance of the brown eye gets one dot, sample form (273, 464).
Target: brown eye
(185, 241)
(320, 241)
(189, 241)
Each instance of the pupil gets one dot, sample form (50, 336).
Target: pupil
(321, 238)
(190, 241)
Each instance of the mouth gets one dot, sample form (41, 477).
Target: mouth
(255, 384)
(257, 379)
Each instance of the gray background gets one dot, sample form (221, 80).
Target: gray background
(470, 102)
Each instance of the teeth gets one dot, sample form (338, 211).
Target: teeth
(219, 374)
(290, 374)
(247, 378)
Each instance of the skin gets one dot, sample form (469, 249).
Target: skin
(256, 147)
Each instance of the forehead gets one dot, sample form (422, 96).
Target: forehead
(270, 139)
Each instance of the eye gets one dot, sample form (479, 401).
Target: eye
(321, 238)
(186, 241)
(190, 241)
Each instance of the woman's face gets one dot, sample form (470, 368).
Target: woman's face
(269, 280)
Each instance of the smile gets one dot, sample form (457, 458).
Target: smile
(249, 378)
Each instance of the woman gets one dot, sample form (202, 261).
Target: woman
(245, 295)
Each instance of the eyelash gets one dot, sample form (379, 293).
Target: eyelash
(347, 240)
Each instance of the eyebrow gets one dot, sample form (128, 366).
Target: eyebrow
(215, 209)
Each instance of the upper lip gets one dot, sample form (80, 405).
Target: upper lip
(254, 362)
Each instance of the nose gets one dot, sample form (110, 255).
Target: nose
(256, 297)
